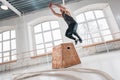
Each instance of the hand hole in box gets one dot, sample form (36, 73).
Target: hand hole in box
(68, 47)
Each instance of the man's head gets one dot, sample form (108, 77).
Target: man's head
(62, 10)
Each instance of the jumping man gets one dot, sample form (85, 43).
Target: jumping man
(72, 24)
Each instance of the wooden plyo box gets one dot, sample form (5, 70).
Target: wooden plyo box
(64, 55)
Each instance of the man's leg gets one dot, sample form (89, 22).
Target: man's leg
(69, 35)
(76, 34)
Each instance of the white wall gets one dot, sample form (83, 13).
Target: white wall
(115, 4)
(24, 23)
(112, 22)
(108, 63)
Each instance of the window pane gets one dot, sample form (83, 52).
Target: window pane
(56, 34)
(80, 18)
(13, 52)
(0, 55)
(54, 24)
(107, 38)
(38, 38)
(86, 42)
(41, 46)
(93, 27)
(42, 51)
(49, 49)
(89, 41)
(105, 32)
(0, 37)
(37, 28)
(99, 13)
(13, 35)
(46, 26)
(6, 54)
(6, 45)
(48, 45)
(6, 59)
(13, 44)
(97, 40)
(6, 35)
(0, 60)
(82, 29)
(58, 42)
(14, 57)
(85, 36)
(103, 24)
(47, 36)
(89, 15)
(95, 35)
(0, 47)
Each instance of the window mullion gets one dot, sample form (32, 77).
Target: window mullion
(52, 35)
(10, 56)
(35, 52)
(98, 27)
(88, 27)
(43, 37)
(2, 48)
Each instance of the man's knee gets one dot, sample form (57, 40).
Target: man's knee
(68, 34)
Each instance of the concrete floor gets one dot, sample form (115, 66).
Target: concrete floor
(107, 62)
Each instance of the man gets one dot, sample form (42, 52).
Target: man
(72, 24)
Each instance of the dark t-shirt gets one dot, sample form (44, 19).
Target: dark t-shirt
(68, 19)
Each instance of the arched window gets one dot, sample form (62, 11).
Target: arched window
(93, 27)
(7, 46)
(46, 35)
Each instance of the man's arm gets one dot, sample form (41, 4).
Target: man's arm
(62, 7)
(57, 14)
(59, 6)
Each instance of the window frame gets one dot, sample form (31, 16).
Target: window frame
(98, 26)
(44, 43)
(10, 45)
